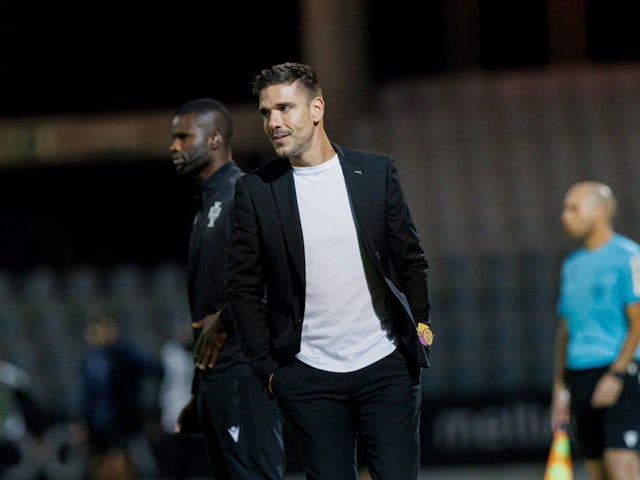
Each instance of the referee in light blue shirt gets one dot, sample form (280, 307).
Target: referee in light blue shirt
(595, 384)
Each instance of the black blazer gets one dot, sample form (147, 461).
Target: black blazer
(266, 269)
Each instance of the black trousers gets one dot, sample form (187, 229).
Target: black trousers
(326, 412)
(242, 429)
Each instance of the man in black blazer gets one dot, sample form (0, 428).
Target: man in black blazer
(327, 285)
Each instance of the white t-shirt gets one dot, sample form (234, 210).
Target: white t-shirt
(340, 330)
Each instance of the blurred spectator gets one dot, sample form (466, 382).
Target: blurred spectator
(112, 411)
(180, 456)
(19, 413)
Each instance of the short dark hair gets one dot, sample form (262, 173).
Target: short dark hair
(288, 72)
(204, 106)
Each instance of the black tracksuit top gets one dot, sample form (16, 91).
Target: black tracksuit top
(206, 269)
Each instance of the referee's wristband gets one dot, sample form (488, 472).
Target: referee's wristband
(619, 375)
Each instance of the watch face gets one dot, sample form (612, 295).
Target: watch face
(425, 334)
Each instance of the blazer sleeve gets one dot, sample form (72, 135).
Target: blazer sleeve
(245, 284)
(407, 256)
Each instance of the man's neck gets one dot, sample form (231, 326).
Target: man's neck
(321, 151)
(598, 238)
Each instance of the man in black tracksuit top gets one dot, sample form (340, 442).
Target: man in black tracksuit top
(241, 424)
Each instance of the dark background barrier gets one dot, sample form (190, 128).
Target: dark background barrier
(491, 112)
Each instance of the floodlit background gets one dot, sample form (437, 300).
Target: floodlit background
(491, 110)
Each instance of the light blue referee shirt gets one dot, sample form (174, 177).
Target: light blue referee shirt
(595, 288)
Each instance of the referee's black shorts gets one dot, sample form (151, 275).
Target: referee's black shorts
(594, 430)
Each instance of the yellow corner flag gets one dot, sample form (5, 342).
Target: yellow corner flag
(559, 466)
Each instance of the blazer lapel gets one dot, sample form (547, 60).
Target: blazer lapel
(357, 189)
(287, 206)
